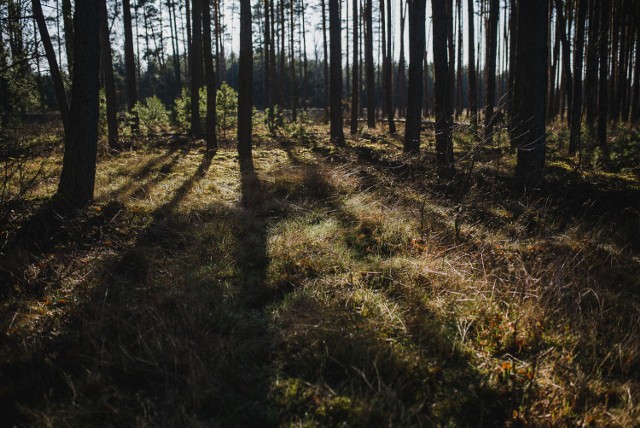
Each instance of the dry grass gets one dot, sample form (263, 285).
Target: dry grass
(326, 287)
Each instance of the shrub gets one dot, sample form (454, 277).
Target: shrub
(153, 114)
(226, 109)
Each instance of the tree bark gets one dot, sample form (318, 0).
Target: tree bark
(369, 70)
(576, 99)
(442, 87)
(417, 19)
(472, 83)
(355, 85)
(528, 121)
(79, 163)
(245, 91)
(603, 54)
(56, 76)
(129, 58)
(210, 76)
(196, 66)
(388, 74)
(335, 27)
(490, 71)
(67, 22)
(108, 80)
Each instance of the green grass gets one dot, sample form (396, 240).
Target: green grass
(328, 287)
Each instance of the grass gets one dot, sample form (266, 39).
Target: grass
(325, 287)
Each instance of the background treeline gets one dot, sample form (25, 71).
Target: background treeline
(483, 61)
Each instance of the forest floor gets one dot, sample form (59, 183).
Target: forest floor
(324, 287)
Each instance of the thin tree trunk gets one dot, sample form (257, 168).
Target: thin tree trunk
(591, 78)
(335, 26)
(355, 85)
(245, 92)
(292, 65)
(267, 58)
(603, 47)
(417, 46)
(196, 67)
(368, 59)
(106, 62)
(56, 76)
(530, 82)
(129, 58)
(210, 76)
(79, 162)
(325, 64)
(442, 87)
(473, 86)
(490, 71)
(67, 22)
(576, 99)
(566, 58)
(402, 77)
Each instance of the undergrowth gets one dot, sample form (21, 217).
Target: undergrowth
(325, 287)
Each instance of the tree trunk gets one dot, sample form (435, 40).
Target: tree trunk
(325, 65)
(402, 77)
(267, 58)
(108, 80)
(79, 163)
(442, 87)
(245, 90)
(210, 76)
(129, 58)
(635, 107)
(417, 19)
(67, 20)
(490, 71)
(528, 120)
(566, 59)
(56, 76)
(576, 99)
(196, 67)
(513, 49)
(292, 66)
(5, 102)
(355, 85)
(389, 74)
(603, 47)
(472, 83)
(591, 78)
(368, 59)
(335, 27)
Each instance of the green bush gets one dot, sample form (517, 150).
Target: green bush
(153, 114)
(226, 108)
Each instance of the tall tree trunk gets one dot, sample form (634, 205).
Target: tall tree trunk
(490, 71)
(5, 102)
(417, 19)
(530, 82)
(603, 47)
(368, 59)
(472, 83)
(79, 163)
(245, 92)
(129, 58)
(267, 58)
(335, 27)
(56, 76)
(635, 107)
(402, 77)
(442, 88)
(108, 80)
(591, 77)
(459, 64)
(513, 49)
(325, 64)
(576, 99)
(196, 66)
(210, 76)
(388, 74)
(566, 58)
(292, 65)
(452, 53)
(67, 20)
(355, 85)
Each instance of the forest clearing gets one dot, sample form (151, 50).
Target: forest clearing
(263, 213)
